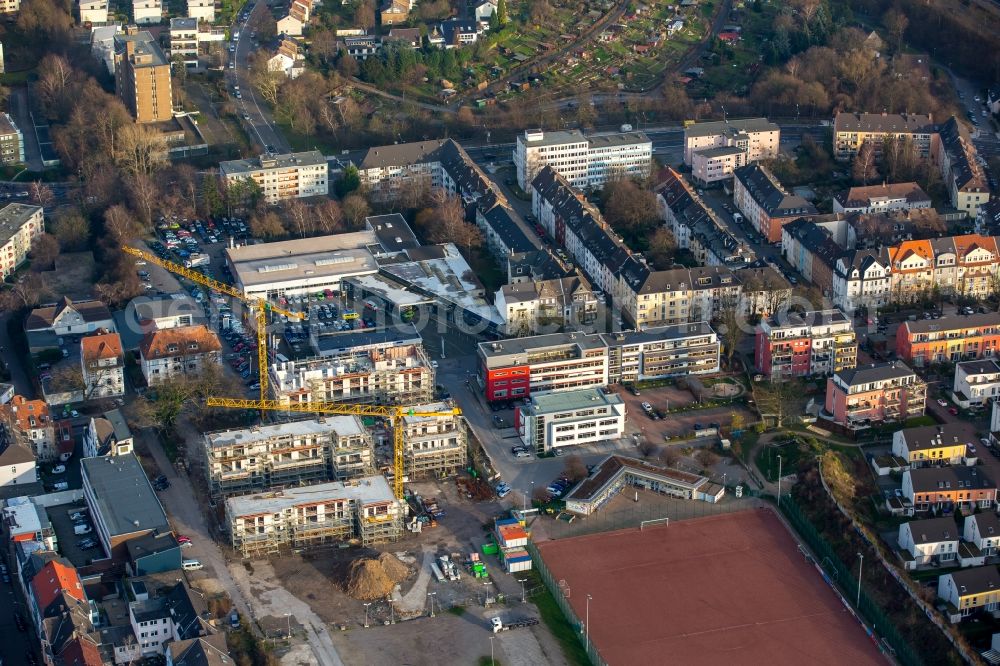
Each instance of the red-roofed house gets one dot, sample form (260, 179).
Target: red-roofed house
(55, 584)
(177, 351)
(33, 419)
(81, 651)
(103, 366)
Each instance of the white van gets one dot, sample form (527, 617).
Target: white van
(191, 565)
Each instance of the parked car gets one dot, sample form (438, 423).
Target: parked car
(59, 469)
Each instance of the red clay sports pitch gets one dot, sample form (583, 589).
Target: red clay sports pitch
(721, 590)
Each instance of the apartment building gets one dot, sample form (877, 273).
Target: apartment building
(764, 202)
(850, 130)
(386, 170)
(818, 342)
(585, 162)
(201, 10)
(280, 177)
(20, 226)
(958, 160)
(881, 198)
(858, 397)
(565, 302)
(142, 75)
(553, 420)
(664, 351)
(11, 141)
(311, 516)
(948, 339)
(285, 455)
(929, 541)
(184, 40)
(711, 165)
(756, 138)
(861, 279)
(953, 487)
(394, 375)
(519, 367)
(94, 12)
(514, 368)
(34, 422)
(679, 295)
(184, 350)
(145, 12)
(103, 366)
(433, 446)
(970, 591)
(932, 445)
(976, 382)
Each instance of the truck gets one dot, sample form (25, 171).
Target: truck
(449, 568)
(436, 570)
(499, 626)
(196, 260)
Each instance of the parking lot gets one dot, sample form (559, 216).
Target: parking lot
(70, 542)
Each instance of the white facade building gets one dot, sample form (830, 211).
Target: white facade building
(976, 382)
(757, 137)
(929, 541)
(107, 435)
(94, 12)
(185, 350)
(586, 162)
(103, 366)
(552, 420)
(203, 10)
(146, 12)
(711, 165)
(17, 462)
(983, 530)
(860, 279)
(20, 225)
(280, 177)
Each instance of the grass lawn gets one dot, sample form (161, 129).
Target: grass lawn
(791, 453)
(552, 616)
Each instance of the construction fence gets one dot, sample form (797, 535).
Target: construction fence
(557, 593)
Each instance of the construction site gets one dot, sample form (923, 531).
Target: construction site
(434, 446)
(276, 456)
(391, 376)
(360, 510)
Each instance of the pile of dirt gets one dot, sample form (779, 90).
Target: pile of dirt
(367, 580)
(395, 570)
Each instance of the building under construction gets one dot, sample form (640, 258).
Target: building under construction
(389, 376)
(323, 514)
(286, 455)
(434, 446)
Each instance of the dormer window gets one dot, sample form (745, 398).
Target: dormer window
(172, 348)
(192, 345)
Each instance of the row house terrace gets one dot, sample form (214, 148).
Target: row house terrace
(948, 339)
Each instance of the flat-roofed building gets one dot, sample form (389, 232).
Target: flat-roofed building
(714, 164)
(142, 76)
(121, 500)
(881, 198)
(94, 12)
(147, 11)
(584, 161)
(976, 382)
(20, 227)
(819, 342)
(434, 446)
(284, 455)
(663, 351)
(392, 375)
(551, 421)
(757, 138)
(303, 265)
(314, 515)
(280, 177)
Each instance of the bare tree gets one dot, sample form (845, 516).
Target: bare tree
(266, 225)
(44, 251)
(29, 291)
(300, 217)
(120, 224)
(329, 216)
(42, 194)
(266, 81)
(144, 193)
(574, 469)
(355, 209)
(706, 458)
(670, 456)
(864, 164)
(141, 150)
(71, 230)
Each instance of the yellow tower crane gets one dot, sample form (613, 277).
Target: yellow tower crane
(258, 306)
(394, 414)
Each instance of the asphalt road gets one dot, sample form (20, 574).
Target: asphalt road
(257, 118)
